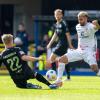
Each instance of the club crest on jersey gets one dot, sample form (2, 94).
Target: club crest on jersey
(83, 35)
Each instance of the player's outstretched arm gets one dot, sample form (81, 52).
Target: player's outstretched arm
(96, 24)
(30, 58)
(52, 40)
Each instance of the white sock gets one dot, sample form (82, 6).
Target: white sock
(98, 74)
(61, 68)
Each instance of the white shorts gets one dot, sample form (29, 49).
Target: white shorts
(87, 55)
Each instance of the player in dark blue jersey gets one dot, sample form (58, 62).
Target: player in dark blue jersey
(61, 32)
(16, 62)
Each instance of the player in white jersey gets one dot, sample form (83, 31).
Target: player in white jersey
(86, 44)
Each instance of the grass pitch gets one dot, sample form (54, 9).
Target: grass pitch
(79, 88)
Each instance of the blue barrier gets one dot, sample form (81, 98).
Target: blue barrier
(78, 73)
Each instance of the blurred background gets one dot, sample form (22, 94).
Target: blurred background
(32, 21)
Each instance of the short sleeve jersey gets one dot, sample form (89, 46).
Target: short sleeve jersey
(61, 29)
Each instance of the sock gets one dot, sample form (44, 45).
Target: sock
(40, 78)
(67, 68)
(98, 73)
(54, 66)
(61, 68)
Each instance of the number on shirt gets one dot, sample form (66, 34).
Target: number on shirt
(12, 61)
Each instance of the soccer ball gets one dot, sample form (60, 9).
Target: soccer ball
(18, 41)
(51, 75)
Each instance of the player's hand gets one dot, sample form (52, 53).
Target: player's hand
(41, 58)
(95, 22)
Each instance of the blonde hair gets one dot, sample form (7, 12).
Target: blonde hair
(7, 38)
(58, 10)
(83, 14)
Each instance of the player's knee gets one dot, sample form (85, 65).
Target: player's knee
(63, 59)
(52, 58)
(94, 68)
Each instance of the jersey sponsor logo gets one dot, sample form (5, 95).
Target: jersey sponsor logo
(9, 55)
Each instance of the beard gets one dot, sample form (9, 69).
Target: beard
(82, 24)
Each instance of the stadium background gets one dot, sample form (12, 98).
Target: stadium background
(38, 19)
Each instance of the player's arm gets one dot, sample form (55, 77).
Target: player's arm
(68, 36)
(25, 57)
(69, 40)
(96, 24)
(52, 40)
(30, 58)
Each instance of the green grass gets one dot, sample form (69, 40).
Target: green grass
(79, 88)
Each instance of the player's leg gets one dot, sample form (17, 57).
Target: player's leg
(67, 69)
(60, 50)
(65, 59)
(90, 58)
(53, 58)
(95, 68)
(29, 74)
(53, 66)
(52, 61)
(20, 83)
(40, 78)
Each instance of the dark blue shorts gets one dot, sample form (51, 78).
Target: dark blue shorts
(20, 80)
